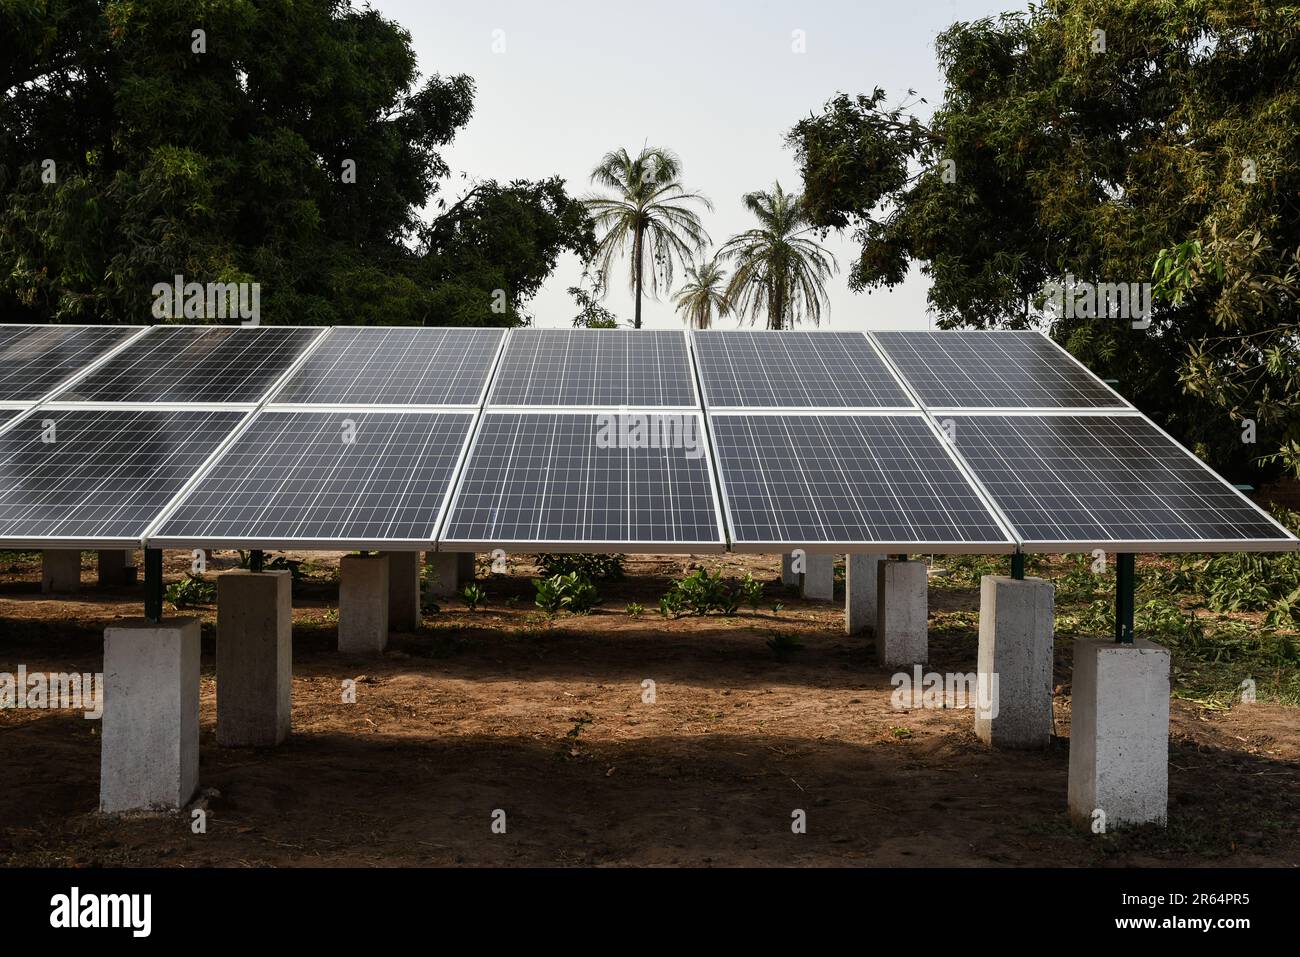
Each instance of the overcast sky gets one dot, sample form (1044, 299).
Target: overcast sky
(716, 81)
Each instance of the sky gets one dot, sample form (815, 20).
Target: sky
(561, 83)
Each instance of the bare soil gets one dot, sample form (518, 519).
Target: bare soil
(494, 710)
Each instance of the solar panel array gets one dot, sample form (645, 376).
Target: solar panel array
(594, 440)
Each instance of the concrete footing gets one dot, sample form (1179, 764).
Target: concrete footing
(902, 610)
(116, 568)
(788, 575)
(819, 578)
(465, 568)
(444, 574)
(363, 604)
(60, 571)
(149, 755)
(254, 657)
(404, 574)
(1119, 734)
(1017, 626)
(861, 582)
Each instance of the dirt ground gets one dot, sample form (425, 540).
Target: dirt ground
(492, 710)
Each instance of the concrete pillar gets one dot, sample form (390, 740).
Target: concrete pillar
(149, 747)
(363, 604)
(60, 571)
(788, 575)
(404, 574)
(1017, 623)
(254, 657)
(465, 570)
(1119, 733)
(902, 609)
(116, 568)
(444, 574)
(819, 577)
(861, 581)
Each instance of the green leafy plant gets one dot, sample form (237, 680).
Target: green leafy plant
(190, 591)
(594, 568)
(698, 594)
(751, 591)
(784, 644)
(473, 596)
(572, 593)
(635, 610)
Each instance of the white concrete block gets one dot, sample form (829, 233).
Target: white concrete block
(819, 577)
(444, 574)
(149, 756)
(902, 611)
(116, 568)
(1119, 733)
(254, 657)
(788, 575)
(363, 604)
(60, 571)
(1017, 627)
(861, 582)
(404, 574)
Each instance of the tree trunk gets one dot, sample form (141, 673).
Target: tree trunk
(638, 266)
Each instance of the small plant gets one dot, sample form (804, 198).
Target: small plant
(473, 596)
(635, 610)
(777, 608)
(572, 593)
(594, 568)
(784, 644)
(751, 591)
(698, 594)
(190, 591)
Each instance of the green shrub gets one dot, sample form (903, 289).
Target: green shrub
(594, 568)
(751, 591)
(784, 644)
(698, 594)
(635, 610)
(473, 596)
(572, 593)
(190, 591)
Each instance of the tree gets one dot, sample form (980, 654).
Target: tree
(649, 213)
(292, 144)
(704, 295)
(780, 271)
(591, 314)
(1106, 142)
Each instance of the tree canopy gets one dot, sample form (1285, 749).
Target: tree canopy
(287, 142)
(1100, 141)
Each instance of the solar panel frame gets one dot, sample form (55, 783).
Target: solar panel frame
(881, 338)
(93, 354)
(234, 420)
(156, 534)
(281, 398)
(1004, 545)
(493, 399)
(597, 546)
(906, 401)
(153, 337)
(1285, 541)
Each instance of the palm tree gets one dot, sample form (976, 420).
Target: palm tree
(703, 296)
(650, 212)
(780, 271)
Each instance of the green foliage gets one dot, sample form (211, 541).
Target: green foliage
(751, 591)
(784, 644)
(228, 165)
(635, 610)
(190, 591)
(573, 593)
(596, 568)
(473, 596)
(698, 594)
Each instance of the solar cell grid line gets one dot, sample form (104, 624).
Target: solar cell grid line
(395, 366)
(794, 369)
(558, 479)
(838, 481)
(1072, 482)
(291, 479)
(36, 359)
(1011, 369)
(98, 476)
(594, 368)
(195, 364)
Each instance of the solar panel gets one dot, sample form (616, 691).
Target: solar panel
(1085, 480)
(94, 476)
(591, 479)
(35, 359)
(195, 364)
(794, 370)
(339, 479)
(883, 481)
(594, 368)
(981, 369)
(395, 365)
